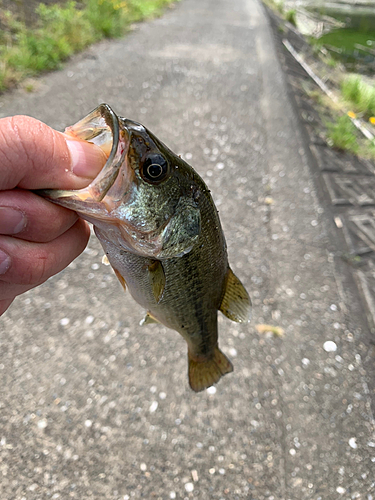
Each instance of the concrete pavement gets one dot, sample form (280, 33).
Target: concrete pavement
(92, 405)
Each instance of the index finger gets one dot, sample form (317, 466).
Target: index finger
(35, 156)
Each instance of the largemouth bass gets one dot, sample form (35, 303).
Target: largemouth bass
(161, 233)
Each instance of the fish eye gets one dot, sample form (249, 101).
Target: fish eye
(154, 168)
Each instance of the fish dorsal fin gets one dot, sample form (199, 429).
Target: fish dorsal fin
(148, 319)
(157, 279)
(236, 303)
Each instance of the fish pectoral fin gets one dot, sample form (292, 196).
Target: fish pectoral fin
(182, 231)
(157, 279)
(236, 303)
(148, 319)
(120, 278)
(204, 373)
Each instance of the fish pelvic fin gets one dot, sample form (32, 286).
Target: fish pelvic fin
(148, 319)
(236, 303)
(206, 372)
(120, 278)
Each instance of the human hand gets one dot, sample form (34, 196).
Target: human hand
(37, 238)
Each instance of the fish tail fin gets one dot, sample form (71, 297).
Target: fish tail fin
(204, 373)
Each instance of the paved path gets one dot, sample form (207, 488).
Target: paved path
(93, 406)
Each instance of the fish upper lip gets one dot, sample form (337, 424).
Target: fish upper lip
(100, 186)
(100, 127)
(95, 128)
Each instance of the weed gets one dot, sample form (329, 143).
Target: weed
(290, 16)
(353, 260)
(332, 63)
(107, 17)
(342, 134)
(359, 93)
(29, 87)
(280, 7)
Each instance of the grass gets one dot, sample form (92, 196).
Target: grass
(290, 16)
(343, 135)
(62, 30)
(359, 94)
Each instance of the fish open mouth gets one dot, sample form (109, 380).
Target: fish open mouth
(101, 127)
(110, 201)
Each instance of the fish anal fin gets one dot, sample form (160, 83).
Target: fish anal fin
(204, 373)
(236, 303)
(148, 319)
(120, 278)
(157, 279)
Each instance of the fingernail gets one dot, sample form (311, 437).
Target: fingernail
(87, 159)
(4, 262)
(11, 221)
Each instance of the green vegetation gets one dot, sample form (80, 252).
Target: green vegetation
(346, 39)
(275, 5)
(331, 62)
(342, 134)
(354, 48)
(359, 94)
(62, 30)
(290, 16)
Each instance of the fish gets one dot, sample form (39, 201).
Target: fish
(161, 233)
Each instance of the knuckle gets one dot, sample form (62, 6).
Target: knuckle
(37, 270)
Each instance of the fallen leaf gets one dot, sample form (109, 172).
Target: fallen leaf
(276, 330)
(105, 260)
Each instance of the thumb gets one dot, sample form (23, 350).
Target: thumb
(35, 156)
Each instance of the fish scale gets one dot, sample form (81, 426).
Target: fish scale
(200, 274)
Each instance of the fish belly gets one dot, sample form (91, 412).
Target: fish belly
(191, 297)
